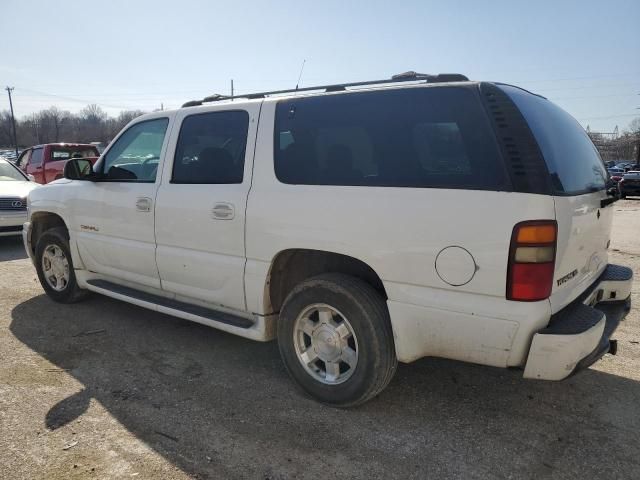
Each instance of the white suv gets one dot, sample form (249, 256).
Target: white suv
(359, 224)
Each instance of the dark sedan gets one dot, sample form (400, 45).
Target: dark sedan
(630, 184)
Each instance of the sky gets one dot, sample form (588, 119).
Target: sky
(139, 54)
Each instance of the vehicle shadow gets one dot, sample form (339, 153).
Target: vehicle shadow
(11, 248)
(219, 406)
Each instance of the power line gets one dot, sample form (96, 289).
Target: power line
(611, 116)
(72, 99)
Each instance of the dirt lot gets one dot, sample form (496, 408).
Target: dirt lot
(103, 389)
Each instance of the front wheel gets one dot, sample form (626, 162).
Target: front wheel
(335, 339)
(55, 267)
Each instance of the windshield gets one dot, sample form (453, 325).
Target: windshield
(9, 173)
(572, 159)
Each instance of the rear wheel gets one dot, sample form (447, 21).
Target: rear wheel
(55, 267)
(336, 341)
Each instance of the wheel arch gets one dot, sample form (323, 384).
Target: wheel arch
(291, 266)
(42, 221)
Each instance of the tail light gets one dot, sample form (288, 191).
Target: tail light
(532, 257)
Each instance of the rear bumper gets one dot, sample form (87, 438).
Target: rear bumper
(579, 334)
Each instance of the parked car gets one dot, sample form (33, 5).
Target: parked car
(14, 188)
(629, 184)
(9, 155)
(359, 224)
(46, 162)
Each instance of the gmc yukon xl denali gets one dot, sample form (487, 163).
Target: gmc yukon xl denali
(358, 224)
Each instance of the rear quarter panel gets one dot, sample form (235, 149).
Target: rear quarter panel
(397, 231)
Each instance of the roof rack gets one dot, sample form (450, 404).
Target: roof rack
(409, 76)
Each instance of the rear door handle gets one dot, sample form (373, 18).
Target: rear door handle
(143, 204)
(223, 211)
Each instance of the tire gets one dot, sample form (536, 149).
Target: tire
(57, 240)
(353, 306)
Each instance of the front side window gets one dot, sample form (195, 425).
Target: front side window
(436, 137)
(36, 157)
(135, 156)
(23, 159)
(211, 148)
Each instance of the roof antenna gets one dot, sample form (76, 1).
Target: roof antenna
(300, 76)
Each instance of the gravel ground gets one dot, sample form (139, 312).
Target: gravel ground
(103, 389)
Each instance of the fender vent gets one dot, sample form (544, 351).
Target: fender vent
(520, 150)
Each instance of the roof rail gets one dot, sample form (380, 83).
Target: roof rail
(409, 76)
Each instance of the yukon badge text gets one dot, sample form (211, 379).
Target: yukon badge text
(567, 277)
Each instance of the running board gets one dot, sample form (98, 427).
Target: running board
(260, 329)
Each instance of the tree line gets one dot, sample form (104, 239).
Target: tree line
(91, 124)
(625, 146)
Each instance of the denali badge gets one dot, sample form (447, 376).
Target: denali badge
(567, 277)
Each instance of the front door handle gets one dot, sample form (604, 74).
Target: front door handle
(143, 204)
(223, 211)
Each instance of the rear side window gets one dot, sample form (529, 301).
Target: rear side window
(421, 137)
(572, 159)
(59, 153)
(36, 156)
(211, 148)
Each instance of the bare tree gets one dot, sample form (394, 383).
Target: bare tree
(51, 120)
(56, 125)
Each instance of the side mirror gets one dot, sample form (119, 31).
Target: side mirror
(78, 169)
(31, 177)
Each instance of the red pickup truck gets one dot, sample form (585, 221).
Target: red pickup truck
(46, 162)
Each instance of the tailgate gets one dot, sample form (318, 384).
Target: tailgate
(583, 235)
(577, 181)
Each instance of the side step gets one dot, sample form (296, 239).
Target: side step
(616, 273)
(198, 311)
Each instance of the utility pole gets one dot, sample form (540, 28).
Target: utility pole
(13, 121)
(232, 88)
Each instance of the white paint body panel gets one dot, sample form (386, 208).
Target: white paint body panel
(583, 232)
(399, 232)
(197, 254)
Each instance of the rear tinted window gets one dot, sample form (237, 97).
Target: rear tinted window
(572, 159)
(72, 152)
(420, 137)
